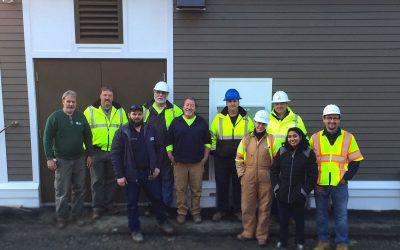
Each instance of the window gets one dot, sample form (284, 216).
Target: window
(98, 21)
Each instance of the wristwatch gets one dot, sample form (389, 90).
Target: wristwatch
(54, 159)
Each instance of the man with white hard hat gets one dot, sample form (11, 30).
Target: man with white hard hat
(253, 162)
(159, 112)
(338, 158)
(281, 119)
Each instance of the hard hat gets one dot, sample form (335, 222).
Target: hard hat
(232, 94)
(331, 109)
(280, 96)
(261, 116)
(161, 86)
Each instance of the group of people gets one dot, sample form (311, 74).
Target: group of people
(159, 147)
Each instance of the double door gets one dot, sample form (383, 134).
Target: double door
(132, 82)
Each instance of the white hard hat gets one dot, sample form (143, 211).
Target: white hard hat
(261, 116)
(280, 96)
(331, 109)
(161, 86)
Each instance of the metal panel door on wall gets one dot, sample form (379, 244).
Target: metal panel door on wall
(132, 81)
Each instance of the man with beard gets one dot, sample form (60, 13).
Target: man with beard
(104, 117)
(338, 157)
(160, 113)
(227, 129)
(65, 132)
(135, 155)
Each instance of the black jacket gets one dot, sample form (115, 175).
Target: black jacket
(293, 174)
(122, 155)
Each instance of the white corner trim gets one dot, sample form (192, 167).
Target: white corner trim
(19, 193)
(3, 148)
(31, 91)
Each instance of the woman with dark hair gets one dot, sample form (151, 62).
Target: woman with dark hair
(293, 177)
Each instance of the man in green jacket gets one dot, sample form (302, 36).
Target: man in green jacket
(64, 135)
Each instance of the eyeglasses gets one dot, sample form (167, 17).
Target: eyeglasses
(332, 118)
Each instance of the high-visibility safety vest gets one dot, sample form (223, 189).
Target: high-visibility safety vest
(170, 112)
(334, 159)
(222, 128)
(268, 143)
(279, 128)
(103, 129)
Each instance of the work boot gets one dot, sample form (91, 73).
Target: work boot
(322, 245)
(238, 216)
(280, 246)
(166, 227)
(181, 218)
(137, 236)
(197, 218)
(242, 238)
(262, 243)
(218, 216)
(341, 246)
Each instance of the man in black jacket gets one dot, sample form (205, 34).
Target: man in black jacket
(135, 157)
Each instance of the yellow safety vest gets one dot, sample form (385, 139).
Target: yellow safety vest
(279, 128)
(169, 114)
(103, 129)
(241, 153)
(223, 129)
(334, 159)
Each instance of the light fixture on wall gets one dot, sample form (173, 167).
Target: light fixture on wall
(8, 1)
(191, 4)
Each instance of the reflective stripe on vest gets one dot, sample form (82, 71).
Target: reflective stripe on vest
(104, 125)
(221, 131)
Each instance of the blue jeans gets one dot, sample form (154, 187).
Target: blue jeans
(340, 196)
(152, 190)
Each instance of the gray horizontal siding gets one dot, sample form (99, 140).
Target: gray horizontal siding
(320, 52)
(15, 95)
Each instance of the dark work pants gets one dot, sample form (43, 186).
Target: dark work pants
(225, 173)
(103, 181)
(296, 210)
(152, 189)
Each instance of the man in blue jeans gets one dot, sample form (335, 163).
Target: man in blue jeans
(338, 158)
(135, 154)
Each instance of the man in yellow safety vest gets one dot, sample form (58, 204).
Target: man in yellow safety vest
(227, 129)
(338, 158)
(105, 117)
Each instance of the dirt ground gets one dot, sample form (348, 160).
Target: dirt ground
(35, 229)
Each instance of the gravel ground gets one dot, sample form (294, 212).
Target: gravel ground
(35, 229)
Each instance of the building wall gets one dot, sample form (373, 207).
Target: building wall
(14, 92)
(320, 52)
